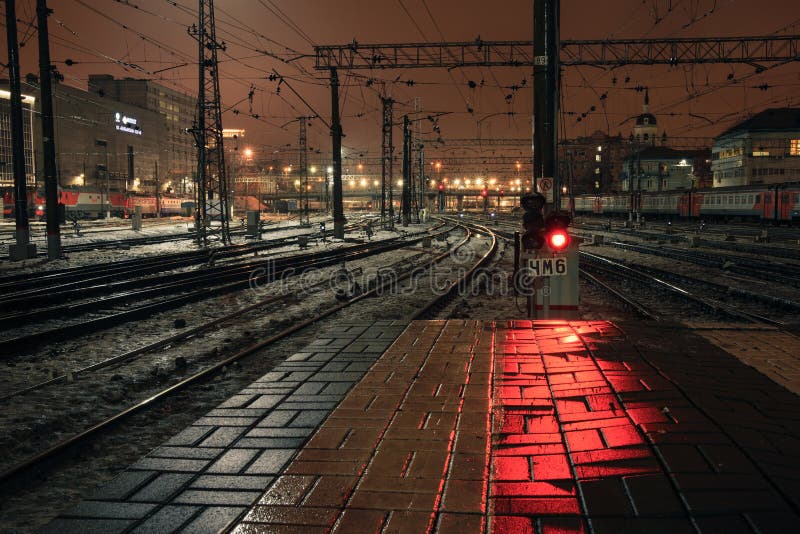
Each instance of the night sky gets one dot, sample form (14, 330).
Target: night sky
(154, 37)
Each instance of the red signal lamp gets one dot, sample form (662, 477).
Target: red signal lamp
(484, 193)
(441, 187)
(558, 240)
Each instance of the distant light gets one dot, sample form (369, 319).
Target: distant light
(330, 170)
(313, 169)
(363, 182)
(248, 152)
(376, 183)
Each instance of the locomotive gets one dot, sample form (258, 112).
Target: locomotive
(84, 203)
(761, 203)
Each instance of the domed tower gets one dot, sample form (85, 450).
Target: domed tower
(646, 128)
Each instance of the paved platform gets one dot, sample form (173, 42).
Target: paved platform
(466, 426)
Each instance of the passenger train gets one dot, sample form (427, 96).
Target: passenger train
(741, 203)
(86, 203)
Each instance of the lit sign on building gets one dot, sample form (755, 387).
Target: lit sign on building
(230, 133)
(127, 124)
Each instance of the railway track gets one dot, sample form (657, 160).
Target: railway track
(595, 265)
(21, 472)
(778, 272)
(160, 292)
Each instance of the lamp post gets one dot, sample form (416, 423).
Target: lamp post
(328, 177)
(103, 143)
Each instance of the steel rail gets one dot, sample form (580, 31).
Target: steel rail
(10, 476)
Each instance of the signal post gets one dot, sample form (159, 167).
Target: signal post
(548, 274)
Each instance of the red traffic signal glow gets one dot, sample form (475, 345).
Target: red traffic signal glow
(441, 187)
(558, 239)
(484, 193)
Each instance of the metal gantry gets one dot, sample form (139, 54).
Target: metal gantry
(304, 169)
(212, 190)
(387, 154)
(609, 52)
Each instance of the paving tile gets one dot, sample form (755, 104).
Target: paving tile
(606, 496)
(232, 482)
(122, 485)
(653, 495)
(217, 497)
(214, 519)
(330, 491)
(233, 461)
(223, 436)
(288, 490)
(301, 432)
(309, 418)
(270, 442)
(353, 520)
(167, 519)
(160, 489)
(189, 436)
(110, 510)
(187, 453)
(271, 462)
(278, 418)
(290, 515)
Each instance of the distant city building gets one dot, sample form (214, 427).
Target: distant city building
(102, 140)
(658, 168)
(177, 150)
(6, 153)
(645, 131)
(764, 149)
(592, 164)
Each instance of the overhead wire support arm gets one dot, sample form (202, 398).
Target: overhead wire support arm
(611, 52)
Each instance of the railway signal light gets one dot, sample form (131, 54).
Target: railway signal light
(532, 221)
(555, 229)
(484, 193)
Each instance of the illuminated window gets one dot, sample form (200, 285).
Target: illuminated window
(597, 157)
(760, 153)
(794, 147)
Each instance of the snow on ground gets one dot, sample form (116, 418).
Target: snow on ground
(275, 228)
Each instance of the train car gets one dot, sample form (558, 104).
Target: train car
(83, 203)
(171, 206)
(760, 203)
(146, 203)
(660, 205)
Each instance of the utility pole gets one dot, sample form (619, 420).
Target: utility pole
(23, 249)
(336, 134)
(304, 169)
(158, 189)
(421, 193)
(212, 182)
(48, 134)
(545, 94)
(406, 171)
(386, 162)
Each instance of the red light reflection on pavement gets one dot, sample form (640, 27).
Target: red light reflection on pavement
(559, 430)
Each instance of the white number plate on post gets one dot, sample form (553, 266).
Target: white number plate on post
(548, 266)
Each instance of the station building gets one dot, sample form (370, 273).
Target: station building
(28, 125)
(660, 168)
(177, 149)
(764, 149)
(101, 140)
(592, 163)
